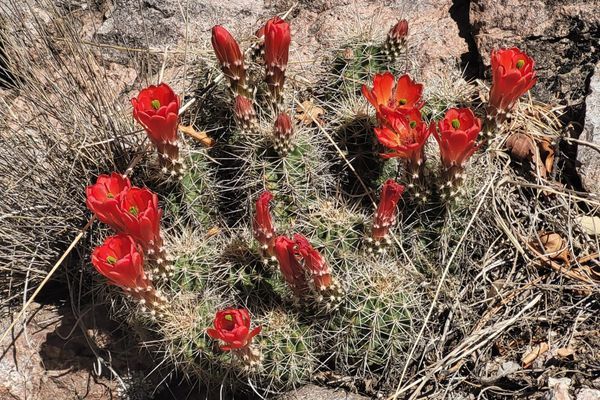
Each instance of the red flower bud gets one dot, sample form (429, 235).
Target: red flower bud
(257, 50)
(314, 263)
(385, 215)
(244, 112)
(292, 271)
(406, 94)
(283, 132)
(404, 133)
(260, 33)
(457, 134)
(140, 216)
(512, 75)
(398, 31)
(264, 232)
(277, 46)
(230, 58)
(120, 259)
(103, 198)
(232, 326)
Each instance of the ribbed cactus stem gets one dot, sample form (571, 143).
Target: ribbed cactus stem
(451, 186)
(415, 170)
(330, 295)
(250, 357)
(168, 158)
(282, 134)
(492, 122)
(151, 301)
(159, 260)
(245, 115)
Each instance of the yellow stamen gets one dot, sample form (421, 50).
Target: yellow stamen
(455, 123)
(133, 210)
(111, 260)
(520, 64)
(229, 317)
(402, 101)
(155, 104)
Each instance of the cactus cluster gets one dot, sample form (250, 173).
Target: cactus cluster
(287, 230)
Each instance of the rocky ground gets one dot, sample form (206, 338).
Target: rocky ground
(63, 353)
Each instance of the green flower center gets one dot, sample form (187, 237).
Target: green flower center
(111, 260)
(133, 210)
(413, 124)
(229, 317)
(109, 195)
(155, 104)
(455, 123)
(402, 101)
(520, 64)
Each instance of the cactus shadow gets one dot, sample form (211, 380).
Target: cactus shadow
(361, 168)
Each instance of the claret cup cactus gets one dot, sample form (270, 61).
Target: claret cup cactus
(290, 247)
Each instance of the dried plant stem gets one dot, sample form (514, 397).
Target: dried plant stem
(468, 346)
(559, 268)
(439, 289)
(583, 143)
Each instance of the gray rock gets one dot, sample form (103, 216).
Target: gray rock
(317, 27)
(588, 394)
(588, 156)
(312, 392)
(559, 389)
(561, 36)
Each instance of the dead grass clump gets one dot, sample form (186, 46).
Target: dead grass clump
(61, 126)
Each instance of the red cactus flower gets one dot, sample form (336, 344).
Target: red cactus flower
(277, 46)
(140, 216)
(385, 215)
(264, 231)
(314, 263)
(404, 133)
(512, 75)
(457, 134)
(292, 271)
(399, 31)
(232, 326)
(406, 94)
(103, 198)
(230, 58)
(121, 260)
(283, 132)
(244, 112)
(156, 108)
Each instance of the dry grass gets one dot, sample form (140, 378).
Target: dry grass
(62, 125)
